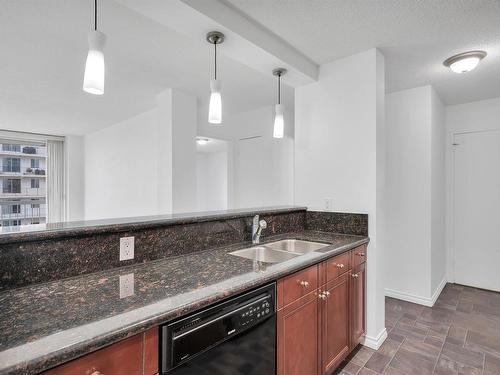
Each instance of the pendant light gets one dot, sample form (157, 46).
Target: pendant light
(279, 121)
(215, 105)
(93, 80)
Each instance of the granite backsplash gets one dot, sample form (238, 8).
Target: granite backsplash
(41, 260)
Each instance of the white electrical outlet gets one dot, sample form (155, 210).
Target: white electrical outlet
(126, 248)
(127, 285)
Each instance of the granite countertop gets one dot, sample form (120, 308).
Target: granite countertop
(48, 324)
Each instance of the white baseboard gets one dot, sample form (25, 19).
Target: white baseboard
(426, 301)
(375, 342)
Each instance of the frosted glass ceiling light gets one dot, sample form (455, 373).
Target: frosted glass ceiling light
(279, 122)
(93, 79)
(215, 105)
(464, 62)
(202, 141)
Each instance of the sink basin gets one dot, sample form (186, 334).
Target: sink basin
(264, 254)
(296, 246)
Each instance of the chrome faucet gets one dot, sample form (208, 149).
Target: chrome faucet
(257, 227)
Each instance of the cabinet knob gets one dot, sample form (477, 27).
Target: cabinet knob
(327, 293)
(322, 296)
(361, 254)
(355, 275)
(340, 265)
(305, 284)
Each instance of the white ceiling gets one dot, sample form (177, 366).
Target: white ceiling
(42, 59)
(415, 36)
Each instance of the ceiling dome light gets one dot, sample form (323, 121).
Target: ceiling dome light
(464, 62)
(93, 79)
(215, 104)
(202, 141)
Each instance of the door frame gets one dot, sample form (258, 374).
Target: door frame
(450, 201)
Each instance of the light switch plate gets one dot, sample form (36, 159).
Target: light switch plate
(127, 285)
(126, 248)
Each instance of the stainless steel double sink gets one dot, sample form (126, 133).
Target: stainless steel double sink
(279, 251)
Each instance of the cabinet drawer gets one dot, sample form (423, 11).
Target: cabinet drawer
(358, 255)
(124, 357)
(298, 285)
(338, 266)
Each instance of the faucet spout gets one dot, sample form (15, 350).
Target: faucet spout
(257, 227)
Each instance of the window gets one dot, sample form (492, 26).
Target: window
(11, 165)
(12, 186)
(11, 209)
(11, 223)
(11, 148)
(32, 187)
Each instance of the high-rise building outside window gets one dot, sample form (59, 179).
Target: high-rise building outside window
(23, 182)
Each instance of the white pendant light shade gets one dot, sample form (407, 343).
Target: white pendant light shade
(215, 105)
(279, 122)
(93, 80)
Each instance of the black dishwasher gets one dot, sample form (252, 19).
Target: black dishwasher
(234, 337)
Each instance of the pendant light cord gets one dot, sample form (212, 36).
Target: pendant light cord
(215, 58)
(95, 15)
(279, 88)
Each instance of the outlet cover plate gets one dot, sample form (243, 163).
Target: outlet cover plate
(126, 285)
(126, 248)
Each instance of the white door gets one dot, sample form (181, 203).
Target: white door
(477, 209)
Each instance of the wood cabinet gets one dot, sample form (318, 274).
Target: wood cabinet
(137, 355)
(358, 298)
(298, 337)
(321, 314)
(335, 332)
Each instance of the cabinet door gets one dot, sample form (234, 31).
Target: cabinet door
(298, 337)
(124, 357)
(335, 333)
(358, 301)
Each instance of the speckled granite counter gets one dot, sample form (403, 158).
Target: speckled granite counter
(47, 324)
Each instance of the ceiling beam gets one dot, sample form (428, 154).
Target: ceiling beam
(252, 44)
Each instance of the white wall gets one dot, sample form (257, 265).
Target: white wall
(475, 116)
(121, 169)
(438, 193)
(262, 167)
(212, 181)
(75, 177)
(415, 194)
(145, 165)
(184, 127)
(339, 154)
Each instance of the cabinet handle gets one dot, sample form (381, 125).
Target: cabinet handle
(322, 296)
(340, 265)
(355, 275)
(305, 284)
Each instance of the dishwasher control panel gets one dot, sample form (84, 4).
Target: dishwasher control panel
(255, 312)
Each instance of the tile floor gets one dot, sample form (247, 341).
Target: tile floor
(460, 335)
